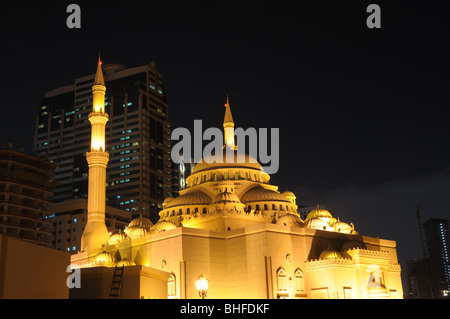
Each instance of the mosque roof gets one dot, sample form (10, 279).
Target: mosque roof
(342, 227)
(289, 220)
(317, 223)
(163, 225)
(191, 198)
(261, 194)
(225, 197)
(140, 222)
(117, 238)
(238, 160)
(330, 254)
(318, 213)
(104, 257)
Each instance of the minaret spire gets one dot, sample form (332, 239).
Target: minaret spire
(99, 74)
(228, 127)
(95, 233)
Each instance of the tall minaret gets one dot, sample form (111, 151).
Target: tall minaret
(95, 233)
(228, 127)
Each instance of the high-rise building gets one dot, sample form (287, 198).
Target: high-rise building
(26, 184)
(69, 219)
(137, 137)
(437, 239)
(418, 283)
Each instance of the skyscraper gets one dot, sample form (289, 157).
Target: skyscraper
(437, 238)
(137, 137)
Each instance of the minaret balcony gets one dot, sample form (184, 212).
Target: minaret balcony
(98, 118)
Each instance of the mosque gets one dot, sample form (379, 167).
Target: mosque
(232, 227)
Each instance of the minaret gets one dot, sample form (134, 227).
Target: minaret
(95, 233)
(228, 127)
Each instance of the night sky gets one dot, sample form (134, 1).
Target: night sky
(363, 113)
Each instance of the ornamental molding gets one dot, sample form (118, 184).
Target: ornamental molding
(329, 262)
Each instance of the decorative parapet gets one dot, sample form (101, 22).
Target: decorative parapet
(358, 252)
(340, 262)
(394, 267)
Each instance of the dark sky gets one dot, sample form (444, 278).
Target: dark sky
(363, 113)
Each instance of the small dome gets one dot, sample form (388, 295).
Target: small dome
(125, 262)
(320, 224)
(136, 232)
(318, 213)
(163, 225)
(139, 222)
(330, 254)
(225, 197)
(288, 193)
(104, 258)
(289, 220)
(117, 238)
(342, 227)
(191, 198)
(261, 194)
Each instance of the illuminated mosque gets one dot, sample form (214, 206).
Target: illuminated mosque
(232, 227)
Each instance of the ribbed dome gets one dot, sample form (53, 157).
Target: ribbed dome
(117, 238)
(320, 224)
(191, 198)
(342, 227)
(163, 225)
(136, 232)
(125, 262)
(240, 160)
(289, 220)
(330, 254)
(318, 213)
(104, 258)
(261, 194)
(225, 197)
(139, 222)
(288, 194)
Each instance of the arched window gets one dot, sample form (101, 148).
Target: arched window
(196, 209)
(273, 207)
(236, 175)
(215, 177)
(246, 176)
(265, 207)
(299, 282)
(281, 207)
(204, 210)
(171, 288)
(282, 283)
(257, 207)
(225, 175)
(180, 212)
(188, 211)
(204, 178)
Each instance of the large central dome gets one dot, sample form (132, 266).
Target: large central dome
(237, 160)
